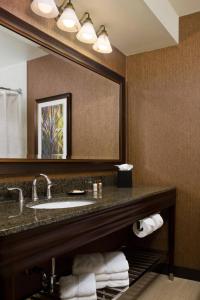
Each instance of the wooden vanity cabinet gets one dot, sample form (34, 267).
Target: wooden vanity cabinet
(23, 251)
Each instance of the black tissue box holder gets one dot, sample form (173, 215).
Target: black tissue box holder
(124, 179)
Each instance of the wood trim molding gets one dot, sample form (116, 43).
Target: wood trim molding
(181, 272)
(22, 166)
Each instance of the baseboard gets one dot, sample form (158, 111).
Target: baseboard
(180, 272)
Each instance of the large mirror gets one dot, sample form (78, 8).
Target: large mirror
(54, 108)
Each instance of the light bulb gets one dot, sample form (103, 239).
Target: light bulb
(102, 44)
(45, 8)
(68, 21)
(87, 33)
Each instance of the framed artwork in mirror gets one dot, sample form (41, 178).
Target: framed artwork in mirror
(53, 127)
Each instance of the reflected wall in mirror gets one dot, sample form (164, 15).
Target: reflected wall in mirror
(29, 72)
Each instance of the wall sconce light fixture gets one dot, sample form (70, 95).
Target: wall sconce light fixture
(102, 44)
(45, 8)
(68, 21)
(87, 33)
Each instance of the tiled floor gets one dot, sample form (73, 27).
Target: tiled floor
(159, 287)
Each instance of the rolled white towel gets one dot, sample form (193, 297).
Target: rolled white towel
(115, 262)
(147, 225)
(89, 263)
(112, 283)
(92, 297)
(77, 286)
(112, 276)
(158, 220)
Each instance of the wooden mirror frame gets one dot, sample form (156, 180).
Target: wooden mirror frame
(32, 166)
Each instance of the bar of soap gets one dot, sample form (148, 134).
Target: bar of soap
(75, 192)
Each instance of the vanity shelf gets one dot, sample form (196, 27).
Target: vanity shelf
(140, 262)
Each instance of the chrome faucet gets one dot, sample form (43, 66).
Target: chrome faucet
(34, 188)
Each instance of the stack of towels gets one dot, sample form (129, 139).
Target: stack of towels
(92, 272)
(81, 287)
(110, 268)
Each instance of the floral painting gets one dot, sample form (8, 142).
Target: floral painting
(52, 128)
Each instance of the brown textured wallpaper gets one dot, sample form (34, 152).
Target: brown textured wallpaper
(95, 105)
(164, 129)
(115, 60)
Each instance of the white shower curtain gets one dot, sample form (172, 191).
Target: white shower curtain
(3, 121)
(11, 137)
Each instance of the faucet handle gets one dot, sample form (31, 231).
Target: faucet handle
(21, 197)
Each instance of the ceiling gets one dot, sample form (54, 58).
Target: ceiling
(133, 25)
(185, 7)
(23, 48)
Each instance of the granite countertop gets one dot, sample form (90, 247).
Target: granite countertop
(32, 218)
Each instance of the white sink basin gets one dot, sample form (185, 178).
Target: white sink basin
(62, 204)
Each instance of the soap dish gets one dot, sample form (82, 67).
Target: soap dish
(77, 192)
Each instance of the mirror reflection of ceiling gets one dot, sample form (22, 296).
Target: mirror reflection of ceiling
(16, 49)
(136, 26)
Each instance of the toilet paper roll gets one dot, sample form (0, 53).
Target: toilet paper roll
(147, 225)
(158, 220)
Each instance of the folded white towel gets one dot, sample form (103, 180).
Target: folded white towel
(112, 283)
(88, 263)
(77, 286)
(92, 297)
(86, 285)
(97, 263)
(112, 276)
(68, 286)
(115, 262)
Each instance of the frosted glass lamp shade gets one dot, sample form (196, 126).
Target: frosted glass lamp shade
(45, 8)
(68, 21)
(102, 44)
(87, 33)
